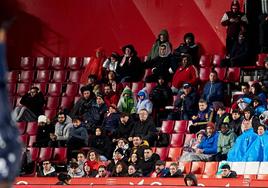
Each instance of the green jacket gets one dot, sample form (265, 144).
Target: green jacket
(226, 142)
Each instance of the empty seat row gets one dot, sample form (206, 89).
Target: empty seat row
(172, 126)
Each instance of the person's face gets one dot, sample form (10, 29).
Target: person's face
(102, 172)
(112, 110)
(162, 50)
(147, 154)
(119, 168)
(235, 116)
(253, 90)
(255, 104)
(246, 125)
(202, 106)
(158, 168)
(87, 168)
(86, 94)
(113, 59)
(266, 65)
(76, 122)
(46, 165)
(212, 77)
(184, 61)
(260, 130)
(199, 137)
(61, 118)
(98, 54)
(161, 81)
(92, 156)
(143, 115)
(173, 169)
(224, 129)
(188, 40)
(118, 156)
(136, 141)
(41, 124)
(99, 100)
(162, 38)
(107, 90)
(247, 115)
(234, 8)
(134, 157)
(127, 52)
(209, 131)
(245, 89)
(225, 172)
(80, 157)
(189, 182)
(98, 132)
(90, 81)
(187, 90)
(33, 92)
(124, 120)
(241, 38)
(111, 76)
(131, 170)
(220, 111)
(141, 97)
(121, 143)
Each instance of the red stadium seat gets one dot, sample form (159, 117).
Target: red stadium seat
(32, 128)
(59, 76)
(43, 76)
(58, 63)
(216, 61)
(150, 86)
(54, 89)
(45, 154)
(26, 63)
(23, 88)
(181, 126)
(174, 153)
(75, 76)
(34, 153)
(250, 176)
(162, 152)
(167, 126)
(177, 140)
(59, 155)
(26, 76)
(24, 139)
(211, 168)
(233, 74)
(136, 87)
(52, 102)
(204, 74)
(188, 138)
(18, 101)
(32, 140)
(71, 89)
(74, 63)
(86, 61)
(186, 166)
(262, 177)
(42, 63)
(11, 88)
(205, 61)
(12, 76)
(42, 87)
(67, 102)
(21, 127)
(197, 167)
(50, 113)
(260, 61)
(221, 72)
(76, 98)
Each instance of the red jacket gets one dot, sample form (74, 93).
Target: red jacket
(111, 99)
(188, 74)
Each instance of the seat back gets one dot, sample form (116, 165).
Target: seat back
(21, 127)
(26, 76)
(32, 128)
(32, 140)
(177, 140)
(52, 103)
(58, 63)
(43, 76)
(162, 152)
(216, 61)
(75, 76)
(181, 126)
(233, 74)
(59, 76)
(221, 72)
(74, 63)
(174, 153)
(167, 126)
(198, 167)
(23, 88)
(42, 63)
(34, 153)
(263, 168)
(252, 167)
(205, 61)
(59, 155)
(211, 168)
(71, 89)
(26, 63)
(239, 167)
(54, 89)
(45, 154)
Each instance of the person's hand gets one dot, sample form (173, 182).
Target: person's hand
(114, 140)
(199, 151)
(194, 117)
(182, 96)
(130, 139)
(232, 20)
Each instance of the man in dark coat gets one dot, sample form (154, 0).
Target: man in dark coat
(148, 162)
(125, 126)
(227, 172)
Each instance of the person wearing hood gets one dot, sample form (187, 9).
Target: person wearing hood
(163, 37)
(235, 21)
(47, 170)
(188, 47)
(94, 67)
(127, 101)
(160, 65)
(64, 179)
(43, 132)
(118, 157)
(130, 68)
(190, 180)
(144, 102)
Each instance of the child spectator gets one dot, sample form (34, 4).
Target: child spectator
(227, 172)
(144, 102)
(236, 121)
(127, 101)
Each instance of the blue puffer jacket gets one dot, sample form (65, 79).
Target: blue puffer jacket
(209, 144)
(213, 91)
(145, 103)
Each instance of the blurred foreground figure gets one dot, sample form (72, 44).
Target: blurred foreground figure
(9, 136)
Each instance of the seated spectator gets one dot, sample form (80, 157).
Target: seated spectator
(81, 159)
(127, 101)
(247, 145)
(214, 89)
(135, 160)
(259, 108)
(249, 116)
(245, 89)
(111, 120)
(118, 157)
(185, 73)
(160, 170)
(62, 131)
(192, 146)
(89, 172)
(43, 132)
(133, 172)
(120, 170)
(221, 117)
(124, 128)
(139, 145)
(190, 180)
(32, 106)
(75, 171)
(47, 170)
(263, 74)
(144, 102)
(78, 136)
(101, 144)
(203, 116)
(110, 64)
(102, 172)
(123, 144)
(187, 102)
(160, 65)
(93, 85)
(236, 121)
(93, 161)
(188, 47)
(226, 141)
(162, 38)
(148, 162)
(208, 145)
(145, 127)
(227, 172)
(64, 179)
(130, 68)
(84, 104)
(110, 96)
(174, 171)
(261, 129)
(27, 165)
(256, 90)
(112, 81)
(94, 67)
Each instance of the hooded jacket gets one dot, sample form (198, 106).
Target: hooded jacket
(192, 177)
(209, 144)
(226, 141)
(127, 104)
(144, 103)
